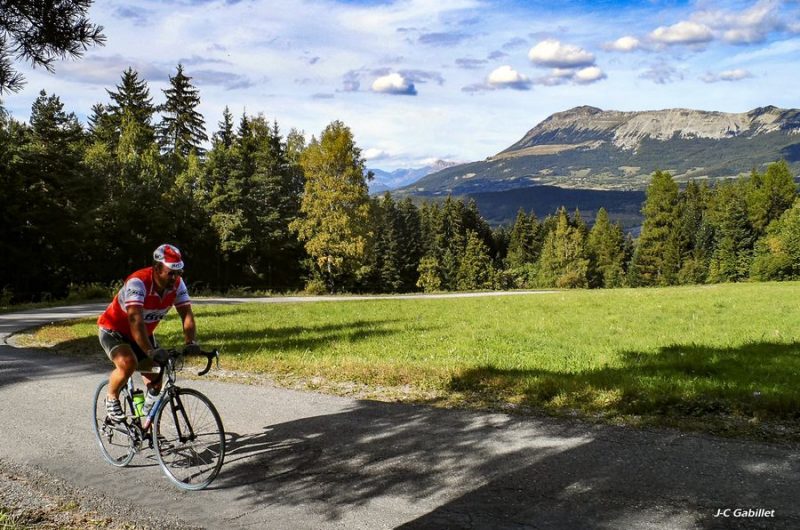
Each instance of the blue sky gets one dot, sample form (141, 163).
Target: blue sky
(418, 80)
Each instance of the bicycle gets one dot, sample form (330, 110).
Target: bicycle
(183, 427)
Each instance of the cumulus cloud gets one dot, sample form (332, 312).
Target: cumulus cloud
(684, 32)
(744, 27)
(507, 77)
(727, 75)
(553, 53)
(588, 75)
(624, 44)
(394, 84)
(569, 63)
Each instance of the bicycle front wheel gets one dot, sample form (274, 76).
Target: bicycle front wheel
(189, 439)
(115, 439)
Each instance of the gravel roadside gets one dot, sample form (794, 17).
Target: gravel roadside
(30, 498)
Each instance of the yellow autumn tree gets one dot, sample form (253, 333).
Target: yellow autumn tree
(335, 214)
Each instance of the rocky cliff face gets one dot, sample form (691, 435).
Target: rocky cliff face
(589, 148)
(626, 130)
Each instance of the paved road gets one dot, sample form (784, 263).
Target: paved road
(305, 460)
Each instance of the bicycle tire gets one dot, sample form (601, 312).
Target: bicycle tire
(190, 454)
(115, 440)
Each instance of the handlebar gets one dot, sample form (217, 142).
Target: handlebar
(209, 355)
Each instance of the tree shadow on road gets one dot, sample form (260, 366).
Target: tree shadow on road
(469, 470)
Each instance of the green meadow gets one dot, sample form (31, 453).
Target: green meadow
(718, 357)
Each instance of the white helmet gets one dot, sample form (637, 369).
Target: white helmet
(170, 256)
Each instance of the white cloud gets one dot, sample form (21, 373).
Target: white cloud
(373, 153)
(395, 84)
(727, 75)
(553, 53)
(507, 77)
(684, 32)
(588, 75)
(624, 44)
(745, 27)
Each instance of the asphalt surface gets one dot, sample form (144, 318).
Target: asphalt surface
(307, 460)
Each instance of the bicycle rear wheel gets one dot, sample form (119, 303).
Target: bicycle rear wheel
(189, 439)
(115, 440)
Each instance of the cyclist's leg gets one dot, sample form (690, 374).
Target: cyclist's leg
(152, 379)
(123, 357)
(124, 365)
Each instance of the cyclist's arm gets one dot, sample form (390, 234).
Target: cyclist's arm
(138, 329)
(187, 319)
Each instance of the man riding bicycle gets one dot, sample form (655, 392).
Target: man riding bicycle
(127, 325)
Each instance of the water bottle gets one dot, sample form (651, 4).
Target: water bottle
(138, 402)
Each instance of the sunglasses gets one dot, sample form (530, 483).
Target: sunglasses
(174, 273)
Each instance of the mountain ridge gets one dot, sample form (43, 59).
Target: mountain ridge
(589, 148)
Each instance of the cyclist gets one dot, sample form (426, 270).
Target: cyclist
(126, 326)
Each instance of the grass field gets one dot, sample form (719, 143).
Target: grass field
(705, 357)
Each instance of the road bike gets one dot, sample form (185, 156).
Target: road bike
(183, 427)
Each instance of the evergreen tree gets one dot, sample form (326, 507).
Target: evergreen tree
(409, 243)
(430, 278)
(734, 235)
(335, 207)
(520, 240)
(131, 99)
(475, 267)
(60, 200)
(182, 127)
(564, 262)
(41, 32)
(777, 254)
(656, 260)
(695, 236)
(769, 195)
(606, 251)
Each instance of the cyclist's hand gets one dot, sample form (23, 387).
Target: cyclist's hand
(192, 349)
(159, 355)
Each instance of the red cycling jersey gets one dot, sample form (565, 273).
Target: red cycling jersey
(139, 289)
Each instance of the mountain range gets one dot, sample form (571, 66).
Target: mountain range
(589, 148)
(592, 152)
(390, 180)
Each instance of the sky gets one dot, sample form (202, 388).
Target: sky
(421, 80)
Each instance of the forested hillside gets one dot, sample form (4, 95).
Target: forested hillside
(262, 208)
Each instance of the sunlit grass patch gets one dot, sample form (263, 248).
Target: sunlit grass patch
(722, 351)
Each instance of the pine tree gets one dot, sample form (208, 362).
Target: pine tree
(409, 243)
(777, 254)
(60, 197)
(182, 128)
(656, 260)
(606, 251)
(520, 241)
(335, 210)
(733, 232)
(131, 100)
(769, 195)
(475, 267)
(40, 32)
(564, 262)
(695, 239)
